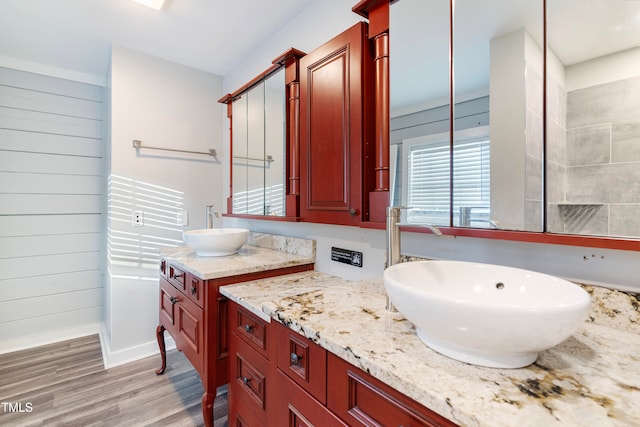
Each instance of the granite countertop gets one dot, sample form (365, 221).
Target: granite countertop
(591, 379)
(262, 252)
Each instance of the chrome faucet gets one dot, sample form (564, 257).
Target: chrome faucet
(393, 240)
(210, 214)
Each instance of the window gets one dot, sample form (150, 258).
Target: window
(428, 190)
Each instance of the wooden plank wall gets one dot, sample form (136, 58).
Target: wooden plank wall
(51, 202)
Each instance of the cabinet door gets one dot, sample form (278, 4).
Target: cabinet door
(189, 326)
(168, 300)
(334, 129)
(362, 400)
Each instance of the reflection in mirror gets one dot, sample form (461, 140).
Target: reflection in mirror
(258, 135)
(419, 98)
(498, 81)
(498, 104)
(593, 120)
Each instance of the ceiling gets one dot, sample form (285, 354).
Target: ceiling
(215, 35)
(209, 35)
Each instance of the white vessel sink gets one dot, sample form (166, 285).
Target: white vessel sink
(216, 241)
(483, 314)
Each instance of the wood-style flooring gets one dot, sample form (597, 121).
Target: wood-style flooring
(65, 384)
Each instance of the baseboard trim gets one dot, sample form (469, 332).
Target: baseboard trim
(112, 358)
(50, 337)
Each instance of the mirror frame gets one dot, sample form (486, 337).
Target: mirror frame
(377, 11)
(289, 61)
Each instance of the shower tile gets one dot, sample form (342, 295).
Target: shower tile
(556, 183)
(533, 185)
(590, 145)
(625, 141)
(605, 103)
(534, 134)
(556, 102)
(533, 215)
(556, 143)
(625, 220)
(554, 222)
(612, 183)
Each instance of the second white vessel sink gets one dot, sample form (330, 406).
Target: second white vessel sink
(216, 241)
(484, 314)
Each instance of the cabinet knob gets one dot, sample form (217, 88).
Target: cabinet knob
(193, 289)
(248, 328)
(245, 380)
(176, 276)
(353, 212)
(173, 300)
(295, 359)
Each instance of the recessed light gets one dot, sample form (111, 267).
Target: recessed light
(153, 4)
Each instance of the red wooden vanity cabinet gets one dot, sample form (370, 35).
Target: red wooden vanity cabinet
(195, 314)
(280, 378)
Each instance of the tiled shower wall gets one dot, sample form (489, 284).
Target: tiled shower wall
(603, 159)
(556, 153)
(533, 163)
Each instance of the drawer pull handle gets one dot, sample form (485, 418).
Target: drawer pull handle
(248, 328)
(245, 380)
(295, 359)
(177, 276)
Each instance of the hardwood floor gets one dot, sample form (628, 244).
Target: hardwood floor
(65, 384)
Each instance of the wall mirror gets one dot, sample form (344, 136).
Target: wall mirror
(593, 120)
(489, 175)
(419, 112)
(258, 148)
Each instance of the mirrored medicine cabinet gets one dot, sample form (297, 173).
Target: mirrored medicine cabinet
(258, 148)
(263, 172)
(534, 149)
(545, 144)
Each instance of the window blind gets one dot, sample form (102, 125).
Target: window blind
(429, 190)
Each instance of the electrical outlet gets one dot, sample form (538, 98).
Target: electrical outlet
(137, 218)
(182, 218)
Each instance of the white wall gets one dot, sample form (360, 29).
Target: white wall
(164, 105)
(50, 209)
(313, 27)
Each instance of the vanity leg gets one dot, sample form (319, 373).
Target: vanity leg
(163, 352)
(207, 408)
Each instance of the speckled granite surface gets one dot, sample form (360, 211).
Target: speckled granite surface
(262, 252)
(591, 379)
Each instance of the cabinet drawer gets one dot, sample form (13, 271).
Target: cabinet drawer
(176, 277)
(251, 329)
(195, 289)
(302, 360)
(362, 400)
(249, 384)
(297, 408)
